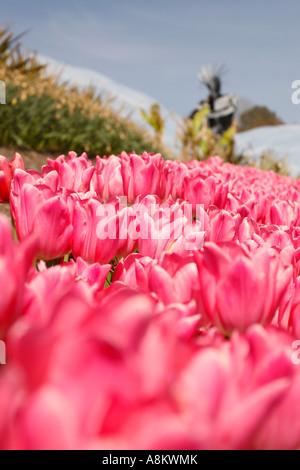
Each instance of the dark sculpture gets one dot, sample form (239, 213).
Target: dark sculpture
(222, 107)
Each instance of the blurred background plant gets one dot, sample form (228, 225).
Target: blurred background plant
(268, 161)
(199, 142)
(154, 118)
(46, 115)
(12, 59)
(258, 116)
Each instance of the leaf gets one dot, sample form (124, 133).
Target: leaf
(198, 120)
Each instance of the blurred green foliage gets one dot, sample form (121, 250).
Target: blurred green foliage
(36, 123)
(154, 118)
(268, 161)
(199, 142)
(45, 115)
(258, 116)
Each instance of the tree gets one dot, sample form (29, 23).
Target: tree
(258, 116)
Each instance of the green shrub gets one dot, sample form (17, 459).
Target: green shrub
(46, 115)
(36, 122)
(258, 116)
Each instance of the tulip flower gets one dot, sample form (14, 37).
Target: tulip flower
(229, 277)
(127, 225)
(173, 278)
(289, 313)
(248, 386)
(285, 213)
(7, 170)
(207, 191)
(108, 181)
(141, 175)
(15, 261)
(222, 226)
(167, 228)
(95, 232)
(75, 173)
(134, 271)
(175, 323)
(38, 210)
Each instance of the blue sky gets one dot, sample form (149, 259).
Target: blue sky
(158, 47)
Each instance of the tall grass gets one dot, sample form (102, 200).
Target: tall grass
(43, 114)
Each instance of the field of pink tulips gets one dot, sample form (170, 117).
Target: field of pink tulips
(149, 304)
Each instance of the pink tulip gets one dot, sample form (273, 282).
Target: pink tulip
(190, 347)
(248, 387)
(245, 229)
(38, 210)
(129, 175)
(73, 341)
(229, 275)
(141, 175)
(173, 278)
(289, 313)
(7, 170)
(134, 271)
(57, 364)
(285, 213)
(93, 274)
(168, 228)
(108, 181)
(75, 173)
(207, 191)
(15, 261)
(276, 238)
(95, 232)
(222, 226)
(172, 180)
(83, 280)
(127, 224)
